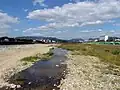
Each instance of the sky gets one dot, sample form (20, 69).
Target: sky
(60, 18)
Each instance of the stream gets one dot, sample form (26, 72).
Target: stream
(43, 75)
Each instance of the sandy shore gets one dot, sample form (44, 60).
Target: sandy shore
(89, 73)
(10, 58)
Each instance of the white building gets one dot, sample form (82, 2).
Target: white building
(104, 38)
(117, 39)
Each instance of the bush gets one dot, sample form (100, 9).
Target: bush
(116, 52)
(107, 50)
(84, 49)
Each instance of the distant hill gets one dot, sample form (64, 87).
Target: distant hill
(36, 39)
(13, 41)
(76, 40)
(43, 38)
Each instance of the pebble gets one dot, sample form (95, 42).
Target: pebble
(12, 86)
(18, 86)
(90, 80)
(55, 85)
(57, 65)
(29, 83)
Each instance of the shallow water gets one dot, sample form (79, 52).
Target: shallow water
(43, 75)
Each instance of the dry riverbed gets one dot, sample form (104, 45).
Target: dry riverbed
(89, 73)
(10, 59)
(84, 72)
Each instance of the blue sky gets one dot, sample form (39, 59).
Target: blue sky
(60, 18)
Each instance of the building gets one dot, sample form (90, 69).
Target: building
(118, 39)
(104, 38)
(93, 39)
(109, 39)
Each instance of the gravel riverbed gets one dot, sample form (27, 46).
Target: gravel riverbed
(89, 73)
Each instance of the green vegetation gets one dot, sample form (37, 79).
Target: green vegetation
(37, 57)
(116, 52)
(30, 59)
(107, 43)
(107, 53)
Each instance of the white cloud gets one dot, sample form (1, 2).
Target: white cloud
(35, 34)
(25, 10)
(112, 31)
(41, 2)
(98, 33)
(0, 10)
(116, 24)
(58, 32)
(100, 30)
(67, 34)
(78, 14)
(92, 23)
(51, 26)
(16, 30)
(6, 21)
(85, 31)
(84, 0)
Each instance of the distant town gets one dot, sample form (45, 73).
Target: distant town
(46, 40)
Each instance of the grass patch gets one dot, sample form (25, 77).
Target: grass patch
(30, 59)
(37, 57)
(107, 53)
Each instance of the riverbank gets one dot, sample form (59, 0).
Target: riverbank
(92, 67)
(89, 73)
(10, 59)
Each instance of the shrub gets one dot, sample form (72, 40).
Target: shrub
(84, 49)
(116, 52)
(107, 50)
